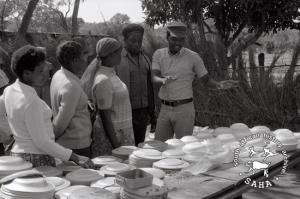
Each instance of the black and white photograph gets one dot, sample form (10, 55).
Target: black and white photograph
(149, 99)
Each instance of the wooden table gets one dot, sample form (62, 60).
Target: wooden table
(224, 182)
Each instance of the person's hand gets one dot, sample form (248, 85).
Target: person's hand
(82, 161)
(85, 162)
(168, 79)
(227, 84)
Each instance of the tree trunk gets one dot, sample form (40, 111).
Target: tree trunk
(253, 70)
(20, 36)
(75, 16)
(2, 14)
(206, 51)
(27, 17)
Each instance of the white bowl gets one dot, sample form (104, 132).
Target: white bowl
(260, 129)
(113, 169)
(189, 139)
(123, 152)
(285, 132)
(29, 185)
(91, 193)
(287, 140)
(170, 163)
(49, 171)
(105, 160)
(222, 130)
(13, 164)
(194, 147)
(83, 177)
(258, 142)
(174, 143)
(148, 154)
(154, 144)
(173, 153)
(239, 126)
(226, 138)
(59, 183)
(213, 145)
(65, 193)
(287, 147)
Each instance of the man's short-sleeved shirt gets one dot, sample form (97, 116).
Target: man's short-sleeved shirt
(183, 66)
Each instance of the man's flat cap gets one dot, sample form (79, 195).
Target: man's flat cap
(177, 29)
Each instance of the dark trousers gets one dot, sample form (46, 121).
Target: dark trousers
(139, 122)
(83, 152)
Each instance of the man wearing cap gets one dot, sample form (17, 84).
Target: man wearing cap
(175, 68)
(135, 71)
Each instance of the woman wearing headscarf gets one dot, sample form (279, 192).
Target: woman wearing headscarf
(113, 125)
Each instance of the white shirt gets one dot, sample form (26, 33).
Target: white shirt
(29, 118)
(183, 66)
(4, 126)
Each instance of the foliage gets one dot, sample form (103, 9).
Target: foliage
(230, 17)
(46, 11)
(120, 19)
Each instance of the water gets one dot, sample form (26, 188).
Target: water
(287, 187)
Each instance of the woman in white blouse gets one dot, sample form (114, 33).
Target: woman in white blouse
(29, 117)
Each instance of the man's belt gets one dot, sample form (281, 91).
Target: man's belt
(176, 102)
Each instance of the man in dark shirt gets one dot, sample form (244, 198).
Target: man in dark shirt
(134, 70)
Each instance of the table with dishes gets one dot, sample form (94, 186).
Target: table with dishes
(212, 163)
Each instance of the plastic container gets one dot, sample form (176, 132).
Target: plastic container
(134, 179)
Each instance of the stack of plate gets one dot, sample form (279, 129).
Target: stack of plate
(10, 165)
(28, 187)
(111, 170)
(49, 171)
(287, 138)
(144, 157)
(108, 184)
(194, 151)
(65, 193)
(158, 190)
(59, 183)
(92, 193)
(170, 164)
(222, 130)
(173, 153)
(260, 129)
(154, 144)
(203, 132)
(67, 167)
(174, 143)
(240, 130)
(225, 138)
(189, 139)
(105, 160)
(83, 177)
(213, 145)
(123, 152)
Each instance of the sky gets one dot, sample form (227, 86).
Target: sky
(96, 10)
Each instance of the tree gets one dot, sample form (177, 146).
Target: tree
(231, 18)
(120, 19)
(74, 17)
